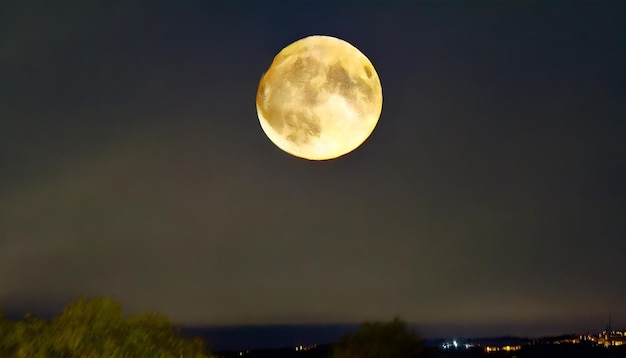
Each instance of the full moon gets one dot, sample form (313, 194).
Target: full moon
(320, 99)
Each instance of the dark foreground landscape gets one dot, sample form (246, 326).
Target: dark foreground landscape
(97, 327)
(608, 343)
(530, 351)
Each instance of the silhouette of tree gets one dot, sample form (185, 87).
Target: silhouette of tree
(96, 328)
(381, 340)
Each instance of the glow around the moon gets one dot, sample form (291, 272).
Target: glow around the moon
(320, 99)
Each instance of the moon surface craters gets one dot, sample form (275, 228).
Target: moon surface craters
(321, 98)
(289, 102)
(308, 84)
(340, 81)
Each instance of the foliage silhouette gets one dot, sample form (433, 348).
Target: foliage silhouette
(96, 328)
(381, 340)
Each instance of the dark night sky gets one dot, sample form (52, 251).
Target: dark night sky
(491, 194)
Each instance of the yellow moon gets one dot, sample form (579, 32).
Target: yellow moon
(320, 99)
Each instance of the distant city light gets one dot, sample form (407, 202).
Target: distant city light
(301, 348)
